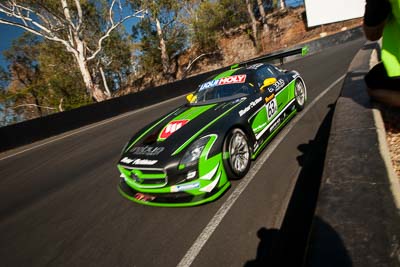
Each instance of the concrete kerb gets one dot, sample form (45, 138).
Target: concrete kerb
(357, 213)
(383, 146)
(380, 129)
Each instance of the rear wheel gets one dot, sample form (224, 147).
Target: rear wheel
(236, 145)
(300, 95)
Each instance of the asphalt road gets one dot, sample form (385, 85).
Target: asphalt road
(59, 205)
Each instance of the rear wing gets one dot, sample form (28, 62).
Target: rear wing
(274, 56)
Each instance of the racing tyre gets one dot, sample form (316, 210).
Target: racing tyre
(236, 145)
(300, 95)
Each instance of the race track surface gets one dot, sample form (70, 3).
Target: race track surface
(59, 204)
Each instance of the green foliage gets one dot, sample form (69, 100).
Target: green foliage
(5, 117)
(4, 79)
(116, 59)
(59, 78)
(41, 76)
(212, 17)
(150, 54)
(145, 32)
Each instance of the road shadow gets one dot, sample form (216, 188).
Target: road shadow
(329, 252)
(355, 88)
(287, 246)
(267, 249)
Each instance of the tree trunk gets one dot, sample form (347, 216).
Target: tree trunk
(95, 92)
(103, 77)
(263, 19)
(36, 98)
(253, 21)
(282, 4)
(261, 8)
(163, 48)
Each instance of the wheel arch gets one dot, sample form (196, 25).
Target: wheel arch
(231, 173)
(246, 130)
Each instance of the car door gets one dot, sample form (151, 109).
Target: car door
(264, 115)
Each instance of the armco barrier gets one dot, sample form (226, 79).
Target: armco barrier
(33, 130)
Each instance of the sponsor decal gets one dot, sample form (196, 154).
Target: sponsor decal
(272, 108)
(172, 127)
(126, 160)
(275, 125)
(279, 85)
(223, 81)
(250, 106)
(138, 161)
(260, 127)
(144, 162)
(233, 79)
(209, 84)
(269, 98)
(143, 197)
(179, 188)
(147, 150)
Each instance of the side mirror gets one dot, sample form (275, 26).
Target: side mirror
(190, 98)
(268, 82)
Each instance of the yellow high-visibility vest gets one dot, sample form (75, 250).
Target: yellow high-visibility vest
(391, 41)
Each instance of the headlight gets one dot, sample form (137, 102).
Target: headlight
(192, 155)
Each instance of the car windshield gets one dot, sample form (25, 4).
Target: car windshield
(227, 91)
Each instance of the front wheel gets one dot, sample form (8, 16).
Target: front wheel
(300, 95)
(236, 147)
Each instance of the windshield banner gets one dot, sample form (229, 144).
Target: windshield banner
(224, 81)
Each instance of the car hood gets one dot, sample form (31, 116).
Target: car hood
(171, 134)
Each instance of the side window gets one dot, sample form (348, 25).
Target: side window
(261, 75)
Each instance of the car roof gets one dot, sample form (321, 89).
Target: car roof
(243, 70)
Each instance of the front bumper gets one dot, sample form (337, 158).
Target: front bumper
(176, 185)
(177, 199)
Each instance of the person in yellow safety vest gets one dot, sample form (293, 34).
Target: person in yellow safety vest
(382, 19)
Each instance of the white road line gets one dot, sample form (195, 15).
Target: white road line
(195, 249)
(91, 127)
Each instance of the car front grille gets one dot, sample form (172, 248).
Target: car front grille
(147, 177)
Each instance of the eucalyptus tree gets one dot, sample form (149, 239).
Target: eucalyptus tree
(161, 34)
(250, 10)
(81, 27)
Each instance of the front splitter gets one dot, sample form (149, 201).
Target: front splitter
(179, 199)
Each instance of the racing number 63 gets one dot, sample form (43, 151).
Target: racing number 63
(272, 108)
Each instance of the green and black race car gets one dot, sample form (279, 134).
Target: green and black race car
(189, 156)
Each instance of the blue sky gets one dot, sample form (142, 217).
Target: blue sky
(8, 34)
